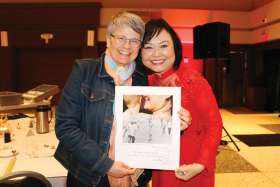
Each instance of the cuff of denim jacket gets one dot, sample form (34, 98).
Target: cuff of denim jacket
(104, 165)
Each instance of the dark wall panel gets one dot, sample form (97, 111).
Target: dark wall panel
(49, 66)
(30, 60)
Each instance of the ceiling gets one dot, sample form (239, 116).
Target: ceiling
(231, 5)
(234, 5)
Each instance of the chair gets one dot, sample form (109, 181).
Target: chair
(24, 179)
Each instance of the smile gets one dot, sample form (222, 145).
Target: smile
(157, 62)
(126, 53)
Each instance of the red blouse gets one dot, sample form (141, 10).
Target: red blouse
(200, 140)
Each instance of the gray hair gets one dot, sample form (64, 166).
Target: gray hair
(128, 19)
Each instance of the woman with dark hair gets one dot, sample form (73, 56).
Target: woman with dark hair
(162, 54)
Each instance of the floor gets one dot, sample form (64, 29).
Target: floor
(265, 159)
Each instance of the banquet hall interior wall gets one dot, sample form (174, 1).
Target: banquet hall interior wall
(254, 38)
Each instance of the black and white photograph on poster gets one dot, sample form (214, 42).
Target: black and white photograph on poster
(147, 119)
(148, 126)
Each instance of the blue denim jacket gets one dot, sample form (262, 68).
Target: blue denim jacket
(84, 119)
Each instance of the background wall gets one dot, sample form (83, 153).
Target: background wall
(253, 35)
(262, 24)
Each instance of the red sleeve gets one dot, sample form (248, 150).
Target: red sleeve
(209, 120)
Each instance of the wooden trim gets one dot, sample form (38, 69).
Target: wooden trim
(50, 5)
(50, 14)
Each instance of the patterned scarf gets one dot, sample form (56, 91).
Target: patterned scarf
(122, 76)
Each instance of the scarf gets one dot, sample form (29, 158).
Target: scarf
(122, 76)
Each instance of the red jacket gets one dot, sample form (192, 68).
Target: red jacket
(200, 140)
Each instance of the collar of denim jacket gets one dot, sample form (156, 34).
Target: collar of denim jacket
(101, 67)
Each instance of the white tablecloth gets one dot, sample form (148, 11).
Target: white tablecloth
(34, 152)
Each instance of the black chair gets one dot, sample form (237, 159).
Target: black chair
(24, 179)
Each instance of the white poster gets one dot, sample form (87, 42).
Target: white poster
(148, 126)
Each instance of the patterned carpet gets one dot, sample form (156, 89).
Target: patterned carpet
(229, 161)
(259, 139)
(273, 127)
(243, 110)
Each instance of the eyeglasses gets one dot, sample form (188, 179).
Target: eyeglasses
(121, 40)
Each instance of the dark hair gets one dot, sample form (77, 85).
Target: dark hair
(152, 29)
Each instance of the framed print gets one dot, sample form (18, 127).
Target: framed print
(148, 126)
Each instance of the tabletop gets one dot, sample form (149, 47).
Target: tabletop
(31, 151)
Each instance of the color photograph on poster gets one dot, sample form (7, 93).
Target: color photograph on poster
(148, 126)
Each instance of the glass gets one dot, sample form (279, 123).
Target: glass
(7, 148)
(3, 119)
(121, 40)
(39, 146)
(3, 126)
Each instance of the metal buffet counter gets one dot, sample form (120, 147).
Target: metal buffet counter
(31, 151)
